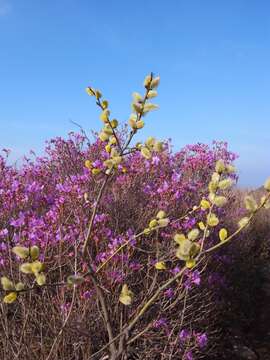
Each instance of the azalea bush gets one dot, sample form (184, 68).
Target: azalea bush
(111, 247)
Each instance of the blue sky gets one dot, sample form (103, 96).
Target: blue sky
(213, 58)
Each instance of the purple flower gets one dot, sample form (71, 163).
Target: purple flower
(162, 322)
(169, 293)
(175, 270)
(19, 221)
(175, 177)
(155, 160)
(196, 278)
(201, 340)
(97, 164)
(184, 335)
(3, 232)
(188, 356)
(116, 276)
(87, 294)
(3, 246)
(163, 188)
(135, 266)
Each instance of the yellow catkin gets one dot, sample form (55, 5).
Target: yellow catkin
(223, 234)
(267, 184)
(10, 298)
(220, 166)
(126, 295)
(6, 283)
(34, 252)
(160, 265)
(21, 251)
(161, 214)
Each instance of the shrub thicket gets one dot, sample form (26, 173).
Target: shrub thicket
(108, 247)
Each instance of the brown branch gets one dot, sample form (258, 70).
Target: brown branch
(146, 306)
(103, 304)
(91, 223)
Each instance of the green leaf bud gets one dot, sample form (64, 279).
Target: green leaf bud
(95, 171)
(194, 249)
(104, 104)
(75, 280)
(34, 252)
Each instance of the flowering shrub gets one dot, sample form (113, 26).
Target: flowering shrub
(106, 246)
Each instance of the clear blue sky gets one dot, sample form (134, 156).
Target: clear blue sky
(213, 58)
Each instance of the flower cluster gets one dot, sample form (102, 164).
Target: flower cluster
(99, 216)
